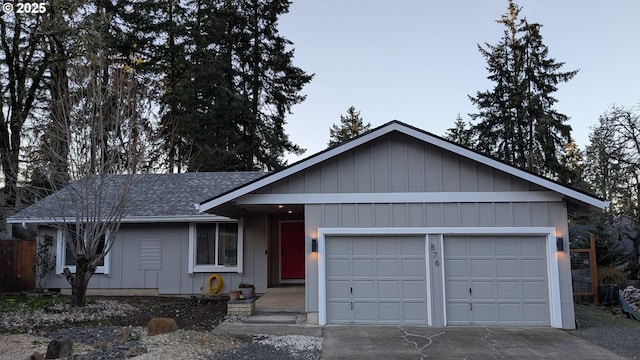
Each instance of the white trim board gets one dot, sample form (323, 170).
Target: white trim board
(410, 131)
(555, 305)
(401, 197)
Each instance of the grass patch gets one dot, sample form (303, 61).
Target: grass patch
(599, 316)
(29, 304)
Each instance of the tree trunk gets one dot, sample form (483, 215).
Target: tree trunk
(78, 294)
(79, 282)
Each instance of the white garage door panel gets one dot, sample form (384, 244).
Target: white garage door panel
(382, 278)
(500, 280)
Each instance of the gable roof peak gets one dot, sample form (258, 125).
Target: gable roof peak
(422, 135)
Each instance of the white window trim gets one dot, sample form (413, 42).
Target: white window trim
(193, 268)
(61, 254)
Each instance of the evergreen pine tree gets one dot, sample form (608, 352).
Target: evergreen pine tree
(161, 30)
(460, 133)
(516, 120)
(351, 125)
(228, 102)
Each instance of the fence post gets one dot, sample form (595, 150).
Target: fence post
(594, 268)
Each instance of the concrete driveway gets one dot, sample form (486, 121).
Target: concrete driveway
(400, 342)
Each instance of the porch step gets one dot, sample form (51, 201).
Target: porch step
(272, 318)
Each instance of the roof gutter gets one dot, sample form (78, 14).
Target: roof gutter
(127, 220)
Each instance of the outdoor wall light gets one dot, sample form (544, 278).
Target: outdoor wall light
(314, 245)
(560, 244)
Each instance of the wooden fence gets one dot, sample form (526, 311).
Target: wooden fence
(584, 272)
(16, 265)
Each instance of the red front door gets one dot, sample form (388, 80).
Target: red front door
(292, 250)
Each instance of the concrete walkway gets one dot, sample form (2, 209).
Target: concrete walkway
(282, 299)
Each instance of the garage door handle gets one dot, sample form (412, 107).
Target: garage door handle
(470, 306)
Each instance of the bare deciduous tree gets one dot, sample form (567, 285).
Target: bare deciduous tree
(613, 166)
(105, 126)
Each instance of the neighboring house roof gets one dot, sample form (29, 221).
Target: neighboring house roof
(574, 195)
(152, 197)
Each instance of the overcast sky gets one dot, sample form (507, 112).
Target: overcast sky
(417, 60)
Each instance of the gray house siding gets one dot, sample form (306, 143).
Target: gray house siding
(401, 164)
(398, 163)
(156, 256)
(439, 215)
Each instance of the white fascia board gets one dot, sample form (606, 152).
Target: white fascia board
(518, 230)
(304, 164)
(404, 197)
(130, 220)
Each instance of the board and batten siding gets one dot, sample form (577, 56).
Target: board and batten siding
(401, 164)
(398, 163)
(539, 214)
(155, 256)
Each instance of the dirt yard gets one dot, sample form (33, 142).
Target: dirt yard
(193, 313)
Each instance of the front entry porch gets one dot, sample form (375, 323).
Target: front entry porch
(281, 299)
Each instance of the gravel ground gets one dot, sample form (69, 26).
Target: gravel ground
(609, 328)
(101, 332)
(114, 329)
(93, 344)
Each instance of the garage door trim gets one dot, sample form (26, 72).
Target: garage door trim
(548, 232)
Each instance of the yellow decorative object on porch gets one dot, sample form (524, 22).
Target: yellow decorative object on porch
(219, 285)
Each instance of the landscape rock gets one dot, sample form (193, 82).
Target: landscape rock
(109, 342)
(36, 356)
(161, 326)
(59, 348)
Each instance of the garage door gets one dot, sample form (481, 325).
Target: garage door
(496, 280)
(376, 280)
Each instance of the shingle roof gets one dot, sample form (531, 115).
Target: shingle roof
(151, 196)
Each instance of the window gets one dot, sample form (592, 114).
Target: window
(215, 247)
(65, 258)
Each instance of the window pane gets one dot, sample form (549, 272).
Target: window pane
(100, 249)
(69, 259)
(205, 244)
(228, 244)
